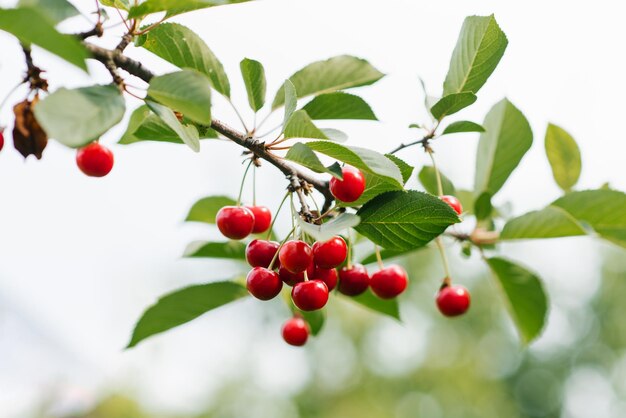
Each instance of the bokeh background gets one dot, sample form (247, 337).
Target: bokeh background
(80, 258)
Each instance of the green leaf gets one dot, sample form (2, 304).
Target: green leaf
(254, 78)
(452, 103)
(337, 73)
(56, 10)
(300, 125)
(428, 177)
(187, 133)
(181, 306)
(387, 307)
(376, 185)
(507, 138)
(118, 4)
(205, 209)
(479, 48)
(361, 158)
(603, 210)
(551, 222)
(404, 220)
(175, 7)
(462, 126)
(303, 155)
(187, 92)
(339, 105)
(526, 299)
(153, 128)
(79, 116)
(138, 116)
(291, 101)
(233, 250)
(185, 49)
(483, 209)
(30, 26)
(335, 134)
(329, 229)
(564, 157)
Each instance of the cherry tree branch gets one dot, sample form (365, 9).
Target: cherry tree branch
(299, 181)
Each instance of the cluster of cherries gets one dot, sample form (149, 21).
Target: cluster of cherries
(314, 271)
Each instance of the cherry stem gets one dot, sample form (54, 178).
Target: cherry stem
(306, 276)
(439, 240)
(379, 259)
(269, 233)
(270, 267)
(349, 260)
(253, 185)
(243, 181)
(243, 123)
(10, 93)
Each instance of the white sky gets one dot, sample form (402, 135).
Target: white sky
(82, 257)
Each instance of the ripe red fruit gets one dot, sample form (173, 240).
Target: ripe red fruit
(235, 222)
(310, 296)
(260, 253)
(331, 253)
(262, 218)
(95, 160)
(389, 282)
(453, 300)
(295, 256)
(328, 276)
(263, 284)
(291, 279)
(1, 139)
(353, 281)
(454, 203)
(351, 187)
(295, 331)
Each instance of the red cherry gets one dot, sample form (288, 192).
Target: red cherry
(328, 276)
(1, 139)
(95, 160)
(389, 282)
(295, 256)
(353, 281)
(453, 300)
(291, 279)
(235, 222)
(263, 284)
(351, 187)
(295, 331)
(331, 253)
(454, 203)
(260, 253)
(262, 218)
(310, 296)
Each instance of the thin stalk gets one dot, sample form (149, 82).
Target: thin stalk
(238, 114)
(271, 266)
(349, 260)
(243, 181)
(253, 185)
(9, 94)
(379, 259)
(269, 232)
(439, 240)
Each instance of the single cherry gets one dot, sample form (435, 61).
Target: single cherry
(454, 203)
(353, 281)
(295, 256)
(389, 282)
(235, 222)
(260, 253)
(330, 254)
(295, 331)
(263, 284)
(328, 276)
(310, 295)
(262, 218)
(291, 279)
(95, 160)
(1, 139)
(351, 187)
(453, 300)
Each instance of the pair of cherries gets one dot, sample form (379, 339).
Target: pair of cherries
(237, 222)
